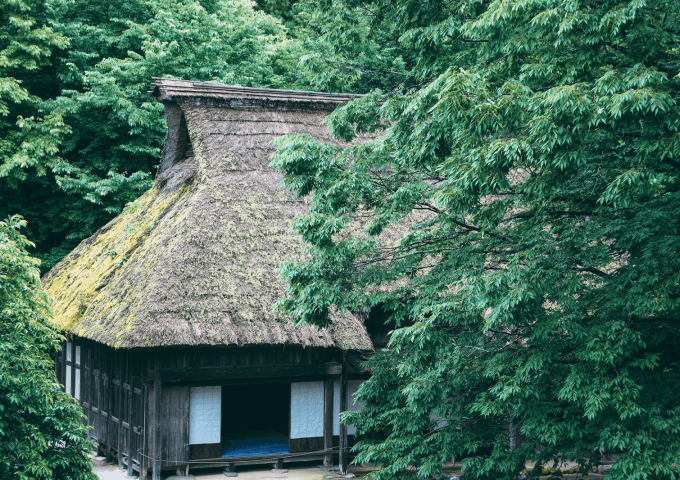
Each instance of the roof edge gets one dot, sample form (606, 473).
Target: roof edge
(165, 89)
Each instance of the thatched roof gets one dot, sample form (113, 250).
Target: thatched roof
(194, 260)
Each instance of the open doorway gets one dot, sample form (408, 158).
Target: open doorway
(255, 419)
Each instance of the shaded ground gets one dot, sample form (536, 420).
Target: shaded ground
(301, 471)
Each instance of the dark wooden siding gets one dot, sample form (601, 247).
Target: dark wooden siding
(111, 395)
(115, 386)
(174, 426)
(196, 364)
(312, 444)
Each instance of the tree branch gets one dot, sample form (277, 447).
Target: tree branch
(594, 271)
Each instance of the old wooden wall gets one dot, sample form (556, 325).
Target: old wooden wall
(116, 384)
(111, 393)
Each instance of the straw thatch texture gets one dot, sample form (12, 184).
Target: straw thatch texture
(194, 260)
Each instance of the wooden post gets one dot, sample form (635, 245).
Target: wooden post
(87, 378)
(156, 420)
(328, 423)
(73, 367)
(97, 391)
(144, 439)
(343, 407)
(90, 393)
(108, 402)
(72, 380)
(63, 364)
(57, 365)
(130, 396)
(120, 412)
(514, 436)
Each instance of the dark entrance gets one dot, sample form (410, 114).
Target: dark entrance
(255, 419)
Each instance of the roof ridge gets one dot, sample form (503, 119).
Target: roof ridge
(173, 87)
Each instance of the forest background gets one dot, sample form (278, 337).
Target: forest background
(533, 145)
(80, 137)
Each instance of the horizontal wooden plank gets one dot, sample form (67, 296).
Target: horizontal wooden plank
(313, 444)
(115, 420)
(126, 425)
(136, 431)
(116, 382)
(137, 391)
(333, 368)
(126, 386)
(205, 450)
(250, 371)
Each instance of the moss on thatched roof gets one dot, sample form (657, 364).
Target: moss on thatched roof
(194, 260)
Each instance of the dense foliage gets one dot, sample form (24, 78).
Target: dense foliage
(41, 431)
(80, 137)
(533, 147)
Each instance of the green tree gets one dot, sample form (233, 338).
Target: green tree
(532, 150)
(29, 134)
(100, 149)
(41, 431)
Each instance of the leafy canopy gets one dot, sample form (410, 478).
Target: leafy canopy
(533, 150)
(80, 137)
(41, 431)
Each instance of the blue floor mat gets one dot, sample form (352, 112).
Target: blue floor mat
(255, 447)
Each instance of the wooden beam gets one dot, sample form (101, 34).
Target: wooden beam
(343, 408)
(250, 372)
(328, 423)
(155, 423)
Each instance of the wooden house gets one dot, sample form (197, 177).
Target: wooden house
(174, 351)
